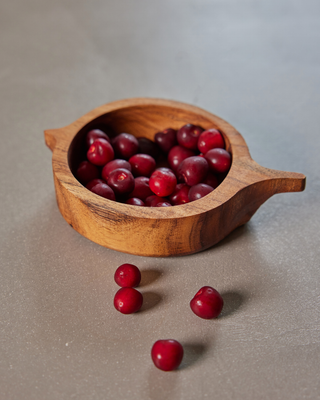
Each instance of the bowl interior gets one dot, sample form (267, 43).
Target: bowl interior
(141, 121)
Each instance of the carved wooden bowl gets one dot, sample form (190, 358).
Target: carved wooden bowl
(166, 231)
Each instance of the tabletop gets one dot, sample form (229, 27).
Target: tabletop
(254, 64)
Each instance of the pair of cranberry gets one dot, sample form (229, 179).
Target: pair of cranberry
(166, 354)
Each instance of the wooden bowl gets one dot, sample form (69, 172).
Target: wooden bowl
(168, 231)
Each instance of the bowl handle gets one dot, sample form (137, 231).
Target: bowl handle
(281, 181)
(52, 137)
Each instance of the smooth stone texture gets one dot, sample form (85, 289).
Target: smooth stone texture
(256, 65)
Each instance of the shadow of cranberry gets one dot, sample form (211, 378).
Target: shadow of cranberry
(150, 300)
(232, 302)
(149, 275)
(193, 353)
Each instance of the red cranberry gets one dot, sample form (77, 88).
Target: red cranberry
(152, 201)
(125, 145)
(104, 190)
(147, 146)
(121, 181)
(134, 201)
(128, 300)
(127, 275)
(198, 191)
(176, 155)
(94, 182)
(193, 170)
(86, 172)
(142, 164)
(163, 204)
(141, 188)
(210, 139)
(100, 152)
(163, 182)
(166, 139)
(112, 165)
(188, 136)
(207, 303)
(180, 194)
(95, 134)
(167, 354)
(219, 160)
(211, 180)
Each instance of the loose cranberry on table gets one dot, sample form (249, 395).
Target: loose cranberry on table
(147, 146)
(112, 165)
(162, 182)
(128, 300)
(102, 189)
(95, 134)
(127, 275)
(142, 164)
(210, 139)
(219, 160)
(193, 170)
(135, 201)
(207, 303)
(198, 191)
(141, 188)
(86, 172)
(167, 354)
(180, 194)
(125, 145)
(177, 154)
(121, 181)
(100, 152)
(166, 139)
(188, 136)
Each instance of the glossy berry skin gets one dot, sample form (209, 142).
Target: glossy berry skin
(211, 180)
(163, 204)
(86, 172)
(103, 190)
(193, 170)
(125, 145)
(166, 139)
(207, 303)
(162, 182)
(198, 191)
(167, 354)
(100, 152)
(152, 201)
(177, 154)
(141, 188)
(188, 136)
(128, 300)
(134, 201)
(95, 134)
(121, 181)
(112, 165)
(127, 275)
(180, 194)
(219, 160)
(210, 139)
(147, 146)
(142, 164)
(94, 182)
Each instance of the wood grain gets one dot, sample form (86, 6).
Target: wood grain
(169, 231)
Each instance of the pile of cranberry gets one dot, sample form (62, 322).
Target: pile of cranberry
(178, 167)
(166, 354)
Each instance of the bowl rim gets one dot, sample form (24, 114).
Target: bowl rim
(63, 138)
